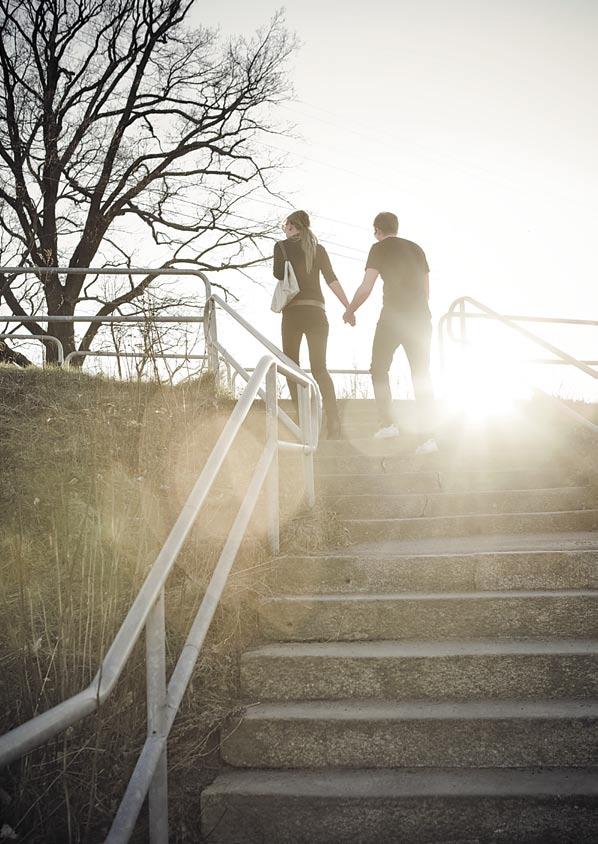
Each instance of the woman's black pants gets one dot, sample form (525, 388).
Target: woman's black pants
(310, 321)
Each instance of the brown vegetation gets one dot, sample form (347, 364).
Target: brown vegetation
(94, 473)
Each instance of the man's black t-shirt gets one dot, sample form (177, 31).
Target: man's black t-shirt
(309, 282)
(403, 267)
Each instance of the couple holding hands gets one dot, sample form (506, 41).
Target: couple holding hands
(404, 320)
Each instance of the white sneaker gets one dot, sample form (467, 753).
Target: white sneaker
(387, 433)
(429, 447)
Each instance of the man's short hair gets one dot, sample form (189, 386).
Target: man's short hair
(386, 222)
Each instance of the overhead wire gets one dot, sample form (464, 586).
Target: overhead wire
(255, 222)
(480, 173)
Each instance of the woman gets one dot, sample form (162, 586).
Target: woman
(305, 314)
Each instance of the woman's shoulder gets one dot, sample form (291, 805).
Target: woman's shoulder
(283, 245)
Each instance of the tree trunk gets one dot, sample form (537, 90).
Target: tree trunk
(64, 332)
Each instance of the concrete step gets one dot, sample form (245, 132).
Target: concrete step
(414, 505)
(408, 806)
(365, 426)
(517, 445)
(379, 530)
(422, 670)
(367, 616)
(387, 734)
(355, 463)
(489, 572)
(383, 483)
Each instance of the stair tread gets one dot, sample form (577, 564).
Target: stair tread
(424, 648)
(563, 540)
(475, 516)
(381, 710)
(482, 493)
(350, 556)
(330, 597)
(414, 782)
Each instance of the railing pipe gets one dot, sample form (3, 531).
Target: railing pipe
(211, 336)
(147, 610)
(284, 359)
(460, 303)
(308, 457)
(462, 323)
(133, 355)
(186, 663)
(108, 318)
(125, 819)
(284, 445)
(25, 737)
(441, 345)
(41, 339)
(272, 490)
(128, 812)
(509, 321)
(155, 668)
(244, 373)
(133, 319)
(523, 318)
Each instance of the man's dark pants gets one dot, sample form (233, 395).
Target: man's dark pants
(414, 333)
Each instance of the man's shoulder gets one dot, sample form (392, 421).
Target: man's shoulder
(409, 244)
(376, 247)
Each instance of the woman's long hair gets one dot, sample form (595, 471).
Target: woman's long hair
(309, 243)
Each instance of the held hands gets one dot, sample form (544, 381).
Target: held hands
(349, 317)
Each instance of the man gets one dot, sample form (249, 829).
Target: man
(404, 321)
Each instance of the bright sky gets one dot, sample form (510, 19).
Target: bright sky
(475, 121)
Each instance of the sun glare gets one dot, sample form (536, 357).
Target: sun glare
(481, 385)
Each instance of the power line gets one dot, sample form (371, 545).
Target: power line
(475, 172)
(259, 223)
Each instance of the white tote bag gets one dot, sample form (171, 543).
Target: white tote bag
(287, 288)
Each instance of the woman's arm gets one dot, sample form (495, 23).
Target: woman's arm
(278, 262)
(337, 289)
(331, 279)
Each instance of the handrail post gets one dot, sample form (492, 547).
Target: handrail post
(305, 423)
(211, 338)
(155, 647)
(272, 483)
(462, 323)
(441, 344)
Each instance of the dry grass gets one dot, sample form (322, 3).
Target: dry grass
(94, 473)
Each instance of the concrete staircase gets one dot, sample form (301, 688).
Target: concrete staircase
(436, 681)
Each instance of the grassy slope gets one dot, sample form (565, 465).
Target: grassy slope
(94, 473)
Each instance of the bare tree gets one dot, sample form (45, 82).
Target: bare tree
(119, 125)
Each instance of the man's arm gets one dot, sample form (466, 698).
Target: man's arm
(427, 286)
(362, 293)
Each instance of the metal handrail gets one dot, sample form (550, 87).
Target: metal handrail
(147, 610)
(55, 340)
(43, 727)
(525, 318)
(330, 372)
(111, 318)
(316, 410)
(510, 322)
